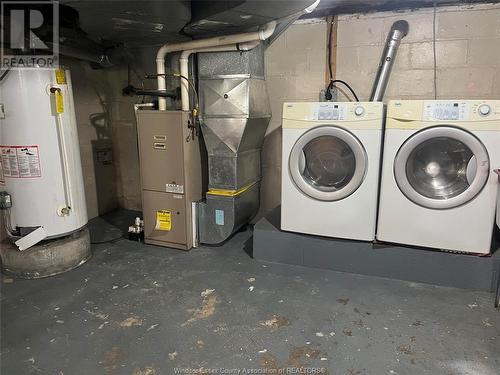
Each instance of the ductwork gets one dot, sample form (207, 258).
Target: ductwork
(262, 34)
(398, 31)
(235, 113)
(184, 65)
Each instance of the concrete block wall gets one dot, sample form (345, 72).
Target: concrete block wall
(467, 53)
(87, 103)
(295, 71)
(99, 91)
(124, 136)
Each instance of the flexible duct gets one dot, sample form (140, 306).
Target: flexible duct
(398, 31)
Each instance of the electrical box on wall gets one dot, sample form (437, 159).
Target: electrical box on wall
(169, 154)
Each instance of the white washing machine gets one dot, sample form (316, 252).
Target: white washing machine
(439, 187)
(330, 171)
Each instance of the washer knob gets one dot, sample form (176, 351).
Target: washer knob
(484, 109)
(359, 110)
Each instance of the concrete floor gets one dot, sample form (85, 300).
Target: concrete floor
(145, 310)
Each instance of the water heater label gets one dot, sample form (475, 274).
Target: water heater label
(61, 76)
(20, 161)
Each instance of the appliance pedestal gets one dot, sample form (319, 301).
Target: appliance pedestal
(46, 258)
(464, 271)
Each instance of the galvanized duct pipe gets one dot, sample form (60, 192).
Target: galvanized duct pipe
(184, 65)
(235, 113)
(219, 41)
(398, 31)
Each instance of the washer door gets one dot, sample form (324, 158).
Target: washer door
(328, 163)
(441, 167)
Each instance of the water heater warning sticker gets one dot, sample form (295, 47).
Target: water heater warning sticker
(20, 161)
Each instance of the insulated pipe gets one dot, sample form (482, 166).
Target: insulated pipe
(184, 64)
(263, 34)
(398, 31)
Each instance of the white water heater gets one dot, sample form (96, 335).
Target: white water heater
(40, 158)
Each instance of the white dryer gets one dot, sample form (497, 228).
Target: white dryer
(438, 186)
(330, 171)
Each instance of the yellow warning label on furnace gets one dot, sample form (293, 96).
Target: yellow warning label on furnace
(60, 76)
(59, 102)
(163, 220)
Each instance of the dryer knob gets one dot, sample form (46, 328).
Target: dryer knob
(359, 110)
(484, 109)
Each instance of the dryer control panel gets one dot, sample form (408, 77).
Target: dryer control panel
(445, 111)
(456, 111)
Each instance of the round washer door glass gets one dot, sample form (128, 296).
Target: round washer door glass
(441, 167)
(327, 163)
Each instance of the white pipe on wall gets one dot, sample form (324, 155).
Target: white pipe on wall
(263, 34)
(184, 65)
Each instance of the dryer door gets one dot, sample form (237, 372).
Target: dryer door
(441, 167)
(328, 163)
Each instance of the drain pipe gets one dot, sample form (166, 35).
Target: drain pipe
(184, 64)
(398, 31)
(262, 34)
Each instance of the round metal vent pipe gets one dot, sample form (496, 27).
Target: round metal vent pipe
(398, 31)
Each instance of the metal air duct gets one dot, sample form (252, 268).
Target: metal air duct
(235, 113)
(398, 31)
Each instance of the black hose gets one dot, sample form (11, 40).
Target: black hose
(332, 83)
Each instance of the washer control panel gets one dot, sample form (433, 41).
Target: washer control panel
(445, 111)
(330, 111)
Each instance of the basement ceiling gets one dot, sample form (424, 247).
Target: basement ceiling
(224, 17)
(329, 7)
(154, 22)
(146, 22)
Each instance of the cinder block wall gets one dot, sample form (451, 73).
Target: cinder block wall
(85, 88)
(467, 49)
(99, 91)
(468, 65)
(295, 71)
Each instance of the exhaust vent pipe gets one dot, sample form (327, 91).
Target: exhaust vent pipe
(398, 31)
